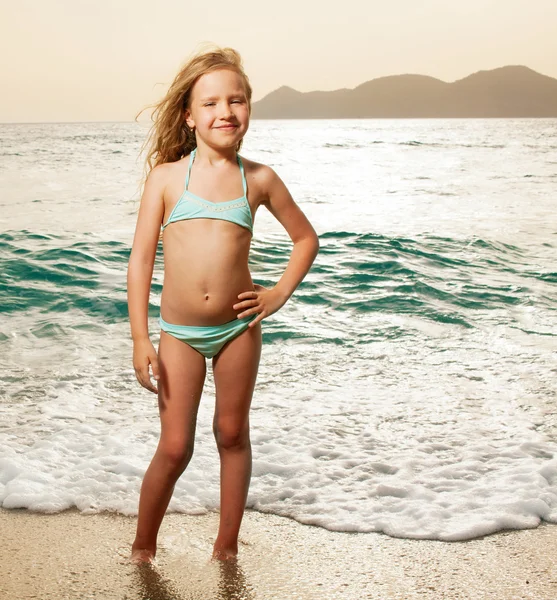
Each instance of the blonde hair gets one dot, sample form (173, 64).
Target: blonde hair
(170, 138)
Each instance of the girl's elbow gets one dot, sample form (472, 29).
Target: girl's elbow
(315, 244)
(311, 244)
(141, 258)
(139, 270)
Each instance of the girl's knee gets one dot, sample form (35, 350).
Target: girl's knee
(176, 453)
(231, 435)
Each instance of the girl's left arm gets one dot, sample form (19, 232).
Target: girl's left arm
(281, 205)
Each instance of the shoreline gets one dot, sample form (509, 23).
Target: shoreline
(69, 555)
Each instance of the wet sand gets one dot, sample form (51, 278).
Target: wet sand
(74, 556)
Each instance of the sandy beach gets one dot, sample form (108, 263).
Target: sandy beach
(70, 555)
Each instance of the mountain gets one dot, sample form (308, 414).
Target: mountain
(512, 91)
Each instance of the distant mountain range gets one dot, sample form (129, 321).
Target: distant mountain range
(512, 91)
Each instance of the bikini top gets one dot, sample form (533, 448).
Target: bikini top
(190, 206)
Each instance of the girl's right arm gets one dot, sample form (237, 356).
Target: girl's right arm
(140, 273)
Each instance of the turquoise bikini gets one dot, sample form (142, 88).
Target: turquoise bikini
(208, 340)
(237, 211)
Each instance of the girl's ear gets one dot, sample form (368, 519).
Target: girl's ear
(190, 122)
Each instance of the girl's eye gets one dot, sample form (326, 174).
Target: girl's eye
(213, 103)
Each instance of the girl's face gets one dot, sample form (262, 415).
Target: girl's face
(219, 108)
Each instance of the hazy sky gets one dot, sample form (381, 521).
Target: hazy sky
(104, 60)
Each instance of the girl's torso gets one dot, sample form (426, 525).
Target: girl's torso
(207, 231)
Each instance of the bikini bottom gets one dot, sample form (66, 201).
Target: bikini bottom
(208, 339)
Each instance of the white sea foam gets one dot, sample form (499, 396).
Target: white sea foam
(382, 454)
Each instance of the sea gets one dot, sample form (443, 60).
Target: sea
(407, 387)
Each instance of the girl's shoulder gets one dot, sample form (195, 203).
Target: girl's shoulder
(258, 177)
(258, 173)
(164, 172)
(172, 167)
(263, 182)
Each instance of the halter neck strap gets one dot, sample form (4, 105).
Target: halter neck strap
(240, 164)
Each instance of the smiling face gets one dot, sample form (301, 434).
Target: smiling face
(218, 108)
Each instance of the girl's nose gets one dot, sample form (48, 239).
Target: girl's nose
(226, 111)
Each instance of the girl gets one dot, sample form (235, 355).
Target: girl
(205, 197)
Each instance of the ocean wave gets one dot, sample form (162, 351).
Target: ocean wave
(441, 279)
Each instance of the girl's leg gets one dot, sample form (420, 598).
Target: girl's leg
(182, 374)
(235, 371)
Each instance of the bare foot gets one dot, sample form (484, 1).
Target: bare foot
(225, 553)
(141, 555)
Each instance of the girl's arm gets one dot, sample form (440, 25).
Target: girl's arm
(140, 273)
(306, 246)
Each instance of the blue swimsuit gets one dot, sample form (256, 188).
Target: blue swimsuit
(208, 340)
(190, 206)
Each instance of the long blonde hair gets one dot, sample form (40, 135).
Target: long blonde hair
(170, 138)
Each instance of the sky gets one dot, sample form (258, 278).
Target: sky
(106, 60)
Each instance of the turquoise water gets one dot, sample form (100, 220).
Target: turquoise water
(407, 386)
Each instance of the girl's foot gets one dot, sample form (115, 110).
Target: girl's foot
(222, 553)
(142, 555)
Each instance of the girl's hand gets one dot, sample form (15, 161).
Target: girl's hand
(144, 353)
(263, 301)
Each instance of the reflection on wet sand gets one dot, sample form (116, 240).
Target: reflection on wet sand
(154, 586)
(225, 580)
(232, 582)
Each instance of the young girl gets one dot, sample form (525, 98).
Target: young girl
(205, 196)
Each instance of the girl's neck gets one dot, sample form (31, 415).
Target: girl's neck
(208, 155)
